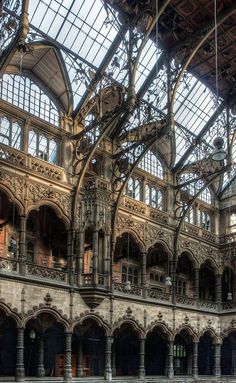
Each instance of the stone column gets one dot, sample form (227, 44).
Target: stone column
(80, 359)
(80, 257)
(173, 279)
(95, 258)
(108, 370)
(144, 272)
(70, 249)
(196, 283)
(113, 358)
(233, 372)
(22, 245)
(106, 259)
(218, 290)
(217, 355)
(20, 369)
(195, 359)
(170, 366)
(141, 371)
(68, 369)
(40, 366)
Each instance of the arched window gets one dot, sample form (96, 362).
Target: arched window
(151, 164)
(24, 93)
(153, 196)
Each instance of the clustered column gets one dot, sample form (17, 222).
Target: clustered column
(108, 370)
(217, 356)
(68, 371)
(20, 370)
(40, 367)
(170, 368)
(142, 358)
(22, 245)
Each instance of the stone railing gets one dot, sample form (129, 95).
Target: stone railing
(199, 232)
(46, 272)
(231, 237)
(91, 183)
(208, 305)
(184, 300)
(19, 158)
(160, 295)
(228, 305)
(9, 265)
(136, 206)
(158, 215)
(140, 207)
(209, 236)
(88, 279)
(122, 288)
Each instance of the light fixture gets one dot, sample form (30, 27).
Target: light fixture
(32, 334)
(168, 281)
(218, 154)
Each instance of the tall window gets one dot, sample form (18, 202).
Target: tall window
(43, 146)
(153, 196)
(10, 132)
(204, 220)
(134, 188)
(151, 164)
(24, 93)
(190, 215)
(195, 186)
(233, 223)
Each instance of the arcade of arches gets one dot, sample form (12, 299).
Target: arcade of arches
(117, 191)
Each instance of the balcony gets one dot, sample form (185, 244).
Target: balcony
(140, 207)
(19, 158)
(196, 231)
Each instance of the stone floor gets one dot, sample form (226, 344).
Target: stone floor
(126, 380)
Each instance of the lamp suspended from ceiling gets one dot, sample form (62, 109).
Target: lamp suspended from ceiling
(218, 153)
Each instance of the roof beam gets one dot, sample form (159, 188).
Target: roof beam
(201, 134)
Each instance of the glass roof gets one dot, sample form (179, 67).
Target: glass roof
(85, 32)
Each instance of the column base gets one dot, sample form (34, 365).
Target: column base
(217, 372)
(40, 372)
(108, 375)
(80, 372)
(68, 376)
(141, 373)
(20, 374)
(170, 372)
(195, 373)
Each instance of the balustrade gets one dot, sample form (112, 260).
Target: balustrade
(19, 158)
(46, 272)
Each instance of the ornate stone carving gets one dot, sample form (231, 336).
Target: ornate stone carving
(13, 183)
(127, 223)
(153, 234)
(39, 192)
(45, 272)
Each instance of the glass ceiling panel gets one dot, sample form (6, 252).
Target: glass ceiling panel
(9, 21)
(194, 105)
(80, 26)
(147, 61)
